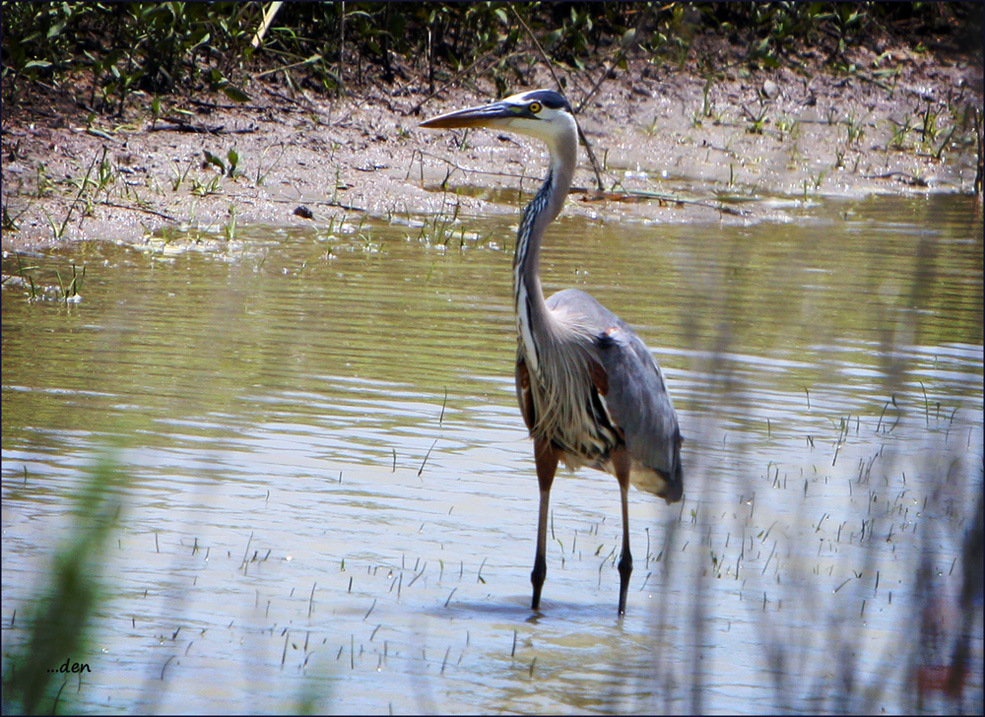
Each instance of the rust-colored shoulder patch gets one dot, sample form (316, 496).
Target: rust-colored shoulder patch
(599, 377)
(524, 395)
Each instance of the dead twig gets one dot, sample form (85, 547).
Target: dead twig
(557, 81)
(613, 62)
(144, 210)
(449, 83)
(268, 20)
(639, 195)
(199, 129)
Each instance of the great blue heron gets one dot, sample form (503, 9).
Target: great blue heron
(590, 391)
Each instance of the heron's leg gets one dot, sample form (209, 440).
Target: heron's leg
(621, 462)
(547, 458)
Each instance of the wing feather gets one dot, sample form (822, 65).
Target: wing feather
(638, 401)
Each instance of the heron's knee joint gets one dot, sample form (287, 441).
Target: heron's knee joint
(626, 564)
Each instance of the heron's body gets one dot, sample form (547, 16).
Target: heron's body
(590, 391)
(621, 373)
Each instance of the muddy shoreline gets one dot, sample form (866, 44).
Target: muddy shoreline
(900, 123)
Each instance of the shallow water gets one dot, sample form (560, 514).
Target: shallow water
(331, 498)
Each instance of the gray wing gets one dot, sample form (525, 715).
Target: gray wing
(632, 387)
(638, 402)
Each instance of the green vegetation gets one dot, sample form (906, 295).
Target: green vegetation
(112, 50)
(115, 71)
(61, 612)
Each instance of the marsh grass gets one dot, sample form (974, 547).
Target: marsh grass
(812, 583)
(67, 289)
(60, 614)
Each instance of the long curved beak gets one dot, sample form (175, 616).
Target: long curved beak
(484, 116)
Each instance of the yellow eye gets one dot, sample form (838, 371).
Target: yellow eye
(535, 107)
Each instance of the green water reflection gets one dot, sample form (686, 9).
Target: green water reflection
(204, 329)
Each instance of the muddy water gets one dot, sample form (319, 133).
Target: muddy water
(330, 498)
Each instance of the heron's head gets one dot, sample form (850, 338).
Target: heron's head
(542, 114)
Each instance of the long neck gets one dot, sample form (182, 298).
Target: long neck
(528, 295)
